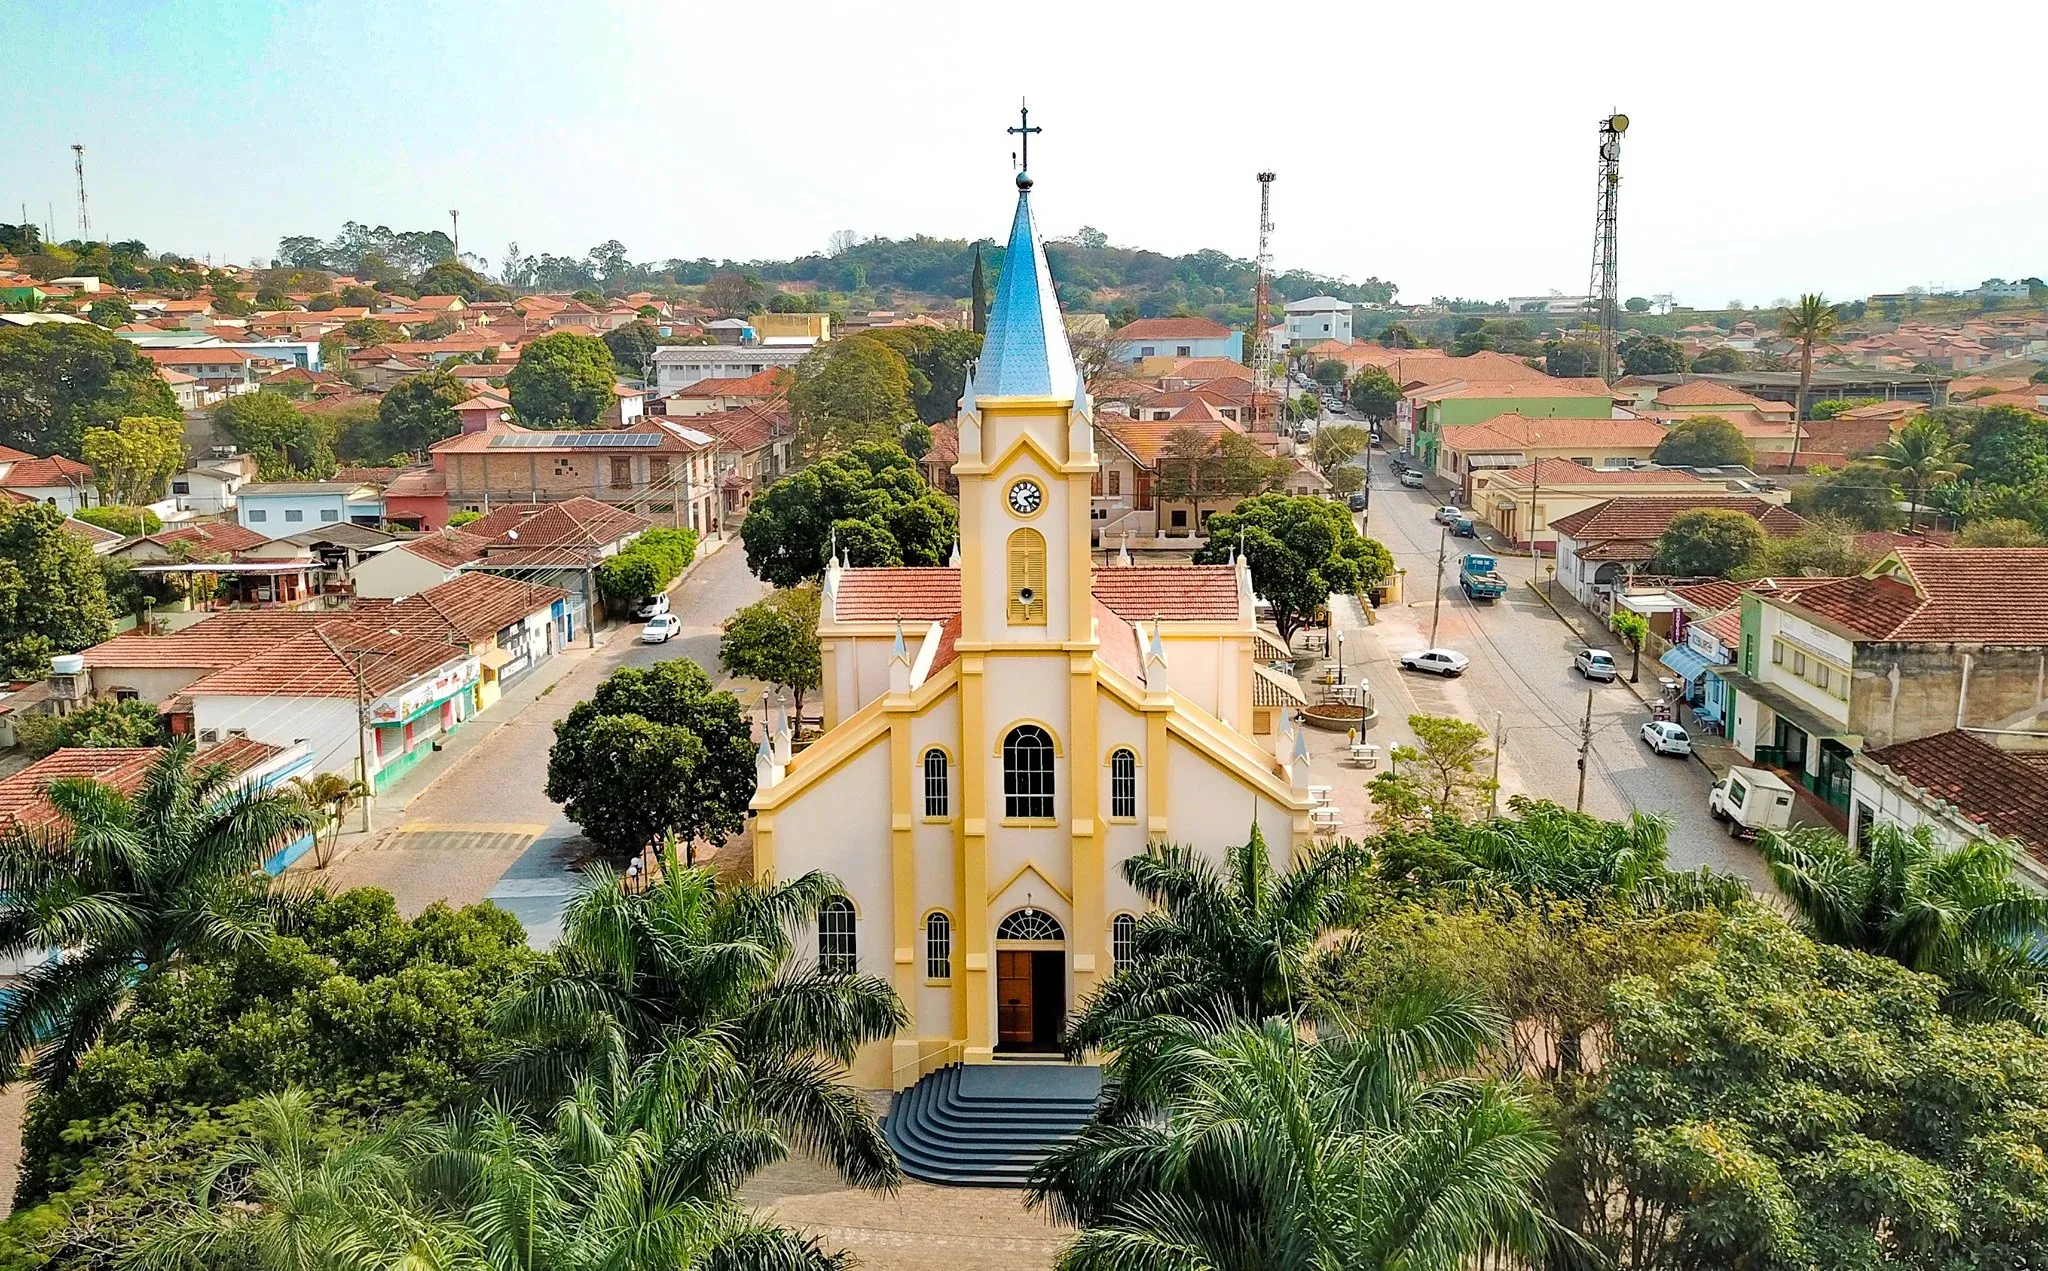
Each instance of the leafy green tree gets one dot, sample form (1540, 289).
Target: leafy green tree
(1339, 443)
(1257, 1148)
(1920, 457)
(53, 596)
(1642, 353)
(286, 441)
(1720, 361)
(696, 958)
(1636, 304)
(1398, 336)
(775, 641)
(563, 379)
(632, 346)
(1791, 1105)
(121, 519)
(1861, 495)
(2003, 531)
(654, 751)
(848, 392)
(134, 887)
(1812, 321)
(1571, 359)
(1374, 394)
(1301, 549)
(419, 410)
(732, 295)
(1224, 942)
(368, 332)
(111, 311)
(1709, 543)
(451, 278)
(357, 296)
(134, 461)
(647, 567)
(2005, 446)
(1331, 373)
(1959, 912)
(1704, 441)
(59, 379)
(1442, 773)
(103, 724)
(1825, 549)
(871, 499)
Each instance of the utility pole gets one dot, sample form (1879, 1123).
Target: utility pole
(1493, 801)
(455, 224)
(1443, 550)
(363, 728)
(1585, 750)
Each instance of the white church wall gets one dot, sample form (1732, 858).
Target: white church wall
(990, 521)
(937, 855)
(1118, 725)
(1018, 690)
(841, 827)
(1213, 812)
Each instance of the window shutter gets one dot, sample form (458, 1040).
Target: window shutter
(1027, 571)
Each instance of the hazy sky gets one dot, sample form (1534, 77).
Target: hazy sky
(1447, 147)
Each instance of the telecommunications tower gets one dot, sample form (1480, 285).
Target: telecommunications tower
(1262, 350)
(1602, 286)
(84, 218)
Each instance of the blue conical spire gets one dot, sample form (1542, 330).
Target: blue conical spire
(1026, 353)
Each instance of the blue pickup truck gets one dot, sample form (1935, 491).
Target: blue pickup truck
(1479, 575)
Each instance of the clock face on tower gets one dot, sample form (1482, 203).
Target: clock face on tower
(1026, 498)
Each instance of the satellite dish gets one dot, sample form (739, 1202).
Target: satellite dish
(512, 534)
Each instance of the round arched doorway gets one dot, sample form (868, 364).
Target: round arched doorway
(1031, 982)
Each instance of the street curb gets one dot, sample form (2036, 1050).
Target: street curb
(1634, 689)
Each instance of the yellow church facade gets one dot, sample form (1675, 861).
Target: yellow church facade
(1002, 732)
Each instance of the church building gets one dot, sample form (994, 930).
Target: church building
(1002, 732)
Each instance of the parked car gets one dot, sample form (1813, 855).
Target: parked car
(1750, 800)
(1666, 738)
(1595, 664)
(661, 630)
(1448, 663)
(1356, 502)
(1462, 528)
(651, 607)
(1448, 515)
(1411, 479)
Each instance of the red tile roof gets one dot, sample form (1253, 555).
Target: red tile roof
(29, 473)
(920, 594)
(322, 663)
(1172, 329)
(211, 536)
(1715, 596)
(1709, 393)
(773, 382)
(1644, 517)
(471, 607)
(1511, 431)
(1564, 472)
(209, 356)
(1999, 790)
(1178, 593)
(580, 523)
(1976, 595)
(223, 640)
(447, 548)
(22, 800)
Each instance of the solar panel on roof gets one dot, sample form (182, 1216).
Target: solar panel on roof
(576, 440)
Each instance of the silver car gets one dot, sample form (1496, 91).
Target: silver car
(1596, 664)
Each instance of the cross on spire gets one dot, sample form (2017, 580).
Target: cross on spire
(1024, 130)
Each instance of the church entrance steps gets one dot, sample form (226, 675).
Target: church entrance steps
(988, 1125)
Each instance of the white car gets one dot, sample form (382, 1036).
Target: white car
(1448, 515)
(1595, 664)
(661, 630)
(652, 607)
(1448, 663)
(1666, 738)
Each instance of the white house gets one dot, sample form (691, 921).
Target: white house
(1961, 787)
(278, 508)
(677, 365)
(64, 484)
(409, 567)
(1316, 319)
(210, 487)
(1177, 338)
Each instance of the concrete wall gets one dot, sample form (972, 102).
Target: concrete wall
(1904, 691)
(1230, 346)
(326, 724)
(397, 572)
(272, 514)
(150, 683)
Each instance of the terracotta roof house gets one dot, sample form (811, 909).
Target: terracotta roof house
(1960, 787)
(509, 625)
(1927, 640)
(1512, 439)
(1174, 338)
(413, 565)
(1597, 547)
(1556, 488)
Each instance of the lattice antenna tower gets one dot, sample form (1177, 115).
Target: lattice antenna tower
(84, 217)
(1262, 351)
(1602, 287)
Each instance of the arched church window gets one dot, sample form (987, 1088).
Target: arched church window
(938, 946)
(1027, 774)
(1030, 924)
(937, 801)
(1123, 783)
(1027, 578)
(1123, 942)
(838, 954)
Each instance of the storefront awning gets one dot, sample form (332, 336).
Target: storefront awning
(1689, 663)
(495, 658)
(1787, 707)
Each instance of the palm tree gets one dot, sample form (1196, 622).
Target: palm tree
(1809, 322)
(1923, 456)
(1220, 944)
(694, 957)
(1260, 1149)
(332, 795)
(1954, 911)
(123, 887)
(281, 1200)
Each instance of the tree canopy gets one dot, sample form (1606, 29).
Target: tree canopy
(775, 641)
(287, 442)
(563, 380)
(849, 392)
(1704, 441)
(53, 596)
(58, 379)
(1709, 542)
(419, 410)
(1301, 549)
(1861, 495)
(133, 461)
(1374, 394)
(1642, 353)
(870, 496)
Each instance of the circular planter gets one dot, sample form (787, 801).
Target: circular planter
(1334, 717)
